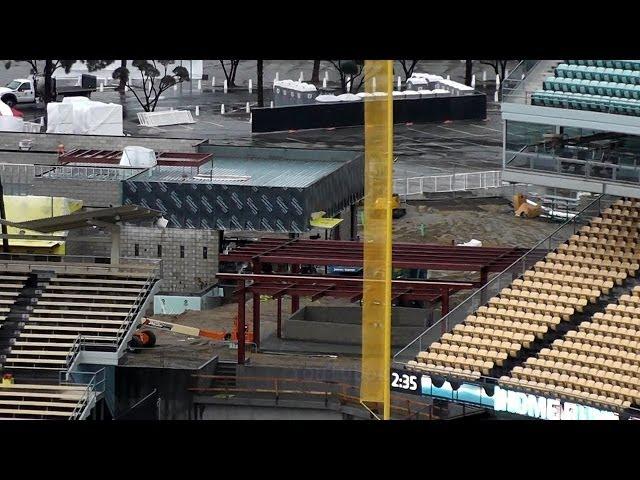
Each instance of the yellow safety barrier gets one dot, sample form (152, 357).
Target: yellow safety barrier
(376, 300)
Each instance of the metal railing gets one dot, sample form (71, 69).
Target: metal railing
(93, 386)
(512, 87)
(80, 172)
(282, 388)
(27, 173)
(590, 169)
(500, 281)
(457, 182)
(135, 308)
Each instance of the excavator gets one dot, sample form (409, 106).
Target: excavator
(145, 338)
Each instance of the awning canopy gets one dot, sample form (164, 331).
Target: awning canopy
(125, 213)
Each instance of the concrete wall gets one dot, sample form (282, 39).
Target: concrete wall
(176, 401)
(256, 412)
(180, 275)
(343, 325)
(43, 142)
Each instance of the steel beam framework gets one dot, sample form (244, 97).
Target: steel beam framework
(315, 287)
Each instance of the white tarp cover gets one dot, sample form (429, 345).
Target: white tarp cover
(5, 110)
(11, 124)
(348, 97)
(326, 98)
(59, 117)
(138, 157)
(297, 86)
(471, 243)
(85, 117)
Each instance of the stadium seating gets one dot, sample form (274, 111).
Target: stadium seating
(598, 363)
(97, 306)
(590, 264)
(608, 86)
(45, 402)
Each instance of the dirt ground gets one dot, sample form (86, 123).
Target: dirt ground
(490, 220)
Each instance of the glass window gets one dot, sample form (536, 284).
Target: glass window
(13, 85)
(24, 87)
(204, 252)
(136, 250)
(159, 251)
(181, 251)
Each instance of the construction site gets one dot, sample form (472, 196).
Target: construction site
(365, 261)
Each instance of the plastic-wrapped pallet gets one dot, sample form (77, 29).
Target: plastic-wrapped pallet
(426, 93)
(138, 157)
(290, 92)
(348, 97)
(97, 118)
(455, 88)
(11, 124)
(60, 117)
(326, 98)
(422, 81)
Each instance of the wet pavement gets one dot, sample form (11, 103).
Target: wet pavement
(422, 149)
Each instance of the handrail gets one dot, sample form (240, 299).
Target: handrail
(91, 387)
(456, 182)
(343, 392)
(133, 310)
(558, 161)
(443, 323)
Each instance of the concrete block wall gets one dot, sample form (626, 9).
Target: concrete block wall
(180, 275)
(43, 142)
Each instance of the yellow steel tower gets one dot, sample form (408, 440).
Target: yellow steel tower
(376, 311)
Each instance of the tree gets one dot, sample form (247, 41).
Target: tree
(122, 84)
(230, 75)
(499, 66)
(260, 68)
(315, 73)
(154, 83)
(468, 72)
(349, 71)
(408, 66)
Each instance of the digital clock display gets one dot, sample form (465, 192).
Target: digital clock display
(402, 381)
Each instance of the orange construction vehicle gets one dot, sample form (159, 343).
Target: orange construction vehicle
(146, 338)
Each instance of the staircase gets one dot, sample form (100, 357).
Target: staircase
(19, 313)
(228, 370)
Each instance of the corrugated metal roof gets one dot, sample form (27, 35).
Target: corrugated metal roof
(258, 173)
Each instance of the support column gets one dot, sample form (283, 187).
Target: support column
(354, 221)
(241, 323)
(220, 240)
(256, 319)
(279, 327)
(295, 300)
(444, 303)
(484, 275)
(115, 245)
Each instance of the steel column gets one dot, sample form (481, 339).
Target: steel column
(241, 323)
(279, 327)
(295, 299)
(256, 319)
